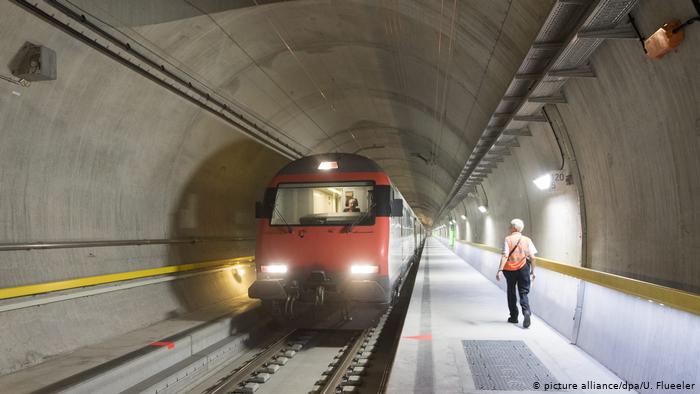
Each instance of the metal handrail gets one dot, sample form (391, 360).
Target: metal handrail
(678, 299)
(49, 287)
(5, 247)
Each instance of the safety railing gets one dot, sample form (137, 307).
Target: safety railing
(68, 284)
(668, 296)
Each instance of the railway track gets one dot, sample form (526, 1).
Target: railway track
(332, 359)
(318, 361)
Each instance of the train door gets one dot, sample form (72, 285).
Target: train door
(415, 235)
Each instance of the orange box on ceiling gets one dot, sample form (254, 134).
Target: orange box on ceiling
(664, 40)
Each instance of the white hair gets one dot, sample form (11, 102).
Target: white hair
(518, 224)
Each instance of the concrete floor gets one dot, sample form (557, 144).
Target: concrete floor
(452, 302)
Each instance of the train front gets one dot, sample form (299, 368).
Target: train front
(323, 233)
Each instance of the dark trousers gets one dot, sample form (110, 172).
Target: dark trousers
(521, 279)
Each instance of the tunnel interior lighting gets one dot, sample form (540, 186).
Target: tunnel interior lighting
(464, 217)
(482, 209)
(364, 269)
(274, 269)
(328, 165)
(543, 182)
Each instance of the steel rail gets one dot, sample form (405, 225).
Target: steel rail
(244, 372)
(334, 380)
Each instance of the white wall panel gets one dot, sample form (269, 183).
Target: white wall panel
(637, 339)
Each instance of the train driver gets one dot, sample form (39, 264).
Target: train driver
(353, 206)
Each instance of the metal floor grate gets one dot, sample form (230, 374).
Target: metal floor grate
(505, 365)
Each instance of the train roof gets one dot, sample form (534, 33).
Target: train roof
(345, 162)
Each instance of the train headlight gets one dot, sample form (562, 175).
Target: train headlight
(274, 268)
(360, 269)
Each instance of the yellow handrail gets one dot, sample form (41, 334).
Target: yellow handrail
(688, 302)
(39, 288)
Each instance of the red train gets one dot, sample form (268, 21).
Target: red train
(332, 227)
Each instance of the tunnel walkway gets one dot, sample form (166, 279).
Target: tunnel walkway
(120, 361)
(457, 318)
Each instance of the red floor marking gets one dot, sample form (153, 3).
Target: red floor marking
(425, 337)
(170, 345)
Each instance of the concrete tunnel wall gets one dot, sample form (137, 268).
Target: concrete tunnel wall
(104, 154)
(551, 218)
(635, 132)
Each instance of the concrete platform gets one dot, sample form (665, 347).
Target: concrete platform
(124, 361)
(451, 303)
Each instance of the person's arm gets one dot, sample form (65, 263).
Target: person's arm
(500, 267)
(504, 258)
(532, 251)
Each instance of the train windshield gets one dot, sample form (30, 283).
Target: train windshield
(314, 204)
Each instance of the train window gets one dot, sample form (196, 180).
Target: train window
(314, 204)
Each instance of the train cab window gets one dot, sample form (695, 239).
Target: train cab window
(313, 204)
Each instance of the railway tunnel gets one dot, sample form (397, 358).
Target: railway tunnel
(137, 136)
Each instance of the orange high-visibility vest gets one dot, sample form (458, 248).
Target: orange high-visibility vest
(517, 259)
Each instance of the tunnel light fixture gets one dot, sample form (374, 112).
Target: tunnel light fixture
(328, 165)
(482, 201)
(543, 182)
(464, 217)
(274, 269)
(359, 269)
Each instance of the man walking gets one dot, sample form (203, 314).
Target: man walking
(517, 265)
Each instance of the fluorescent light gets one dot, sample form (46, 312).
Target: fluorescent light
(482, 209)
(464, 217)
(333, 190)
(328, 165)
(543, 182)
(274, 268)
(364, 269)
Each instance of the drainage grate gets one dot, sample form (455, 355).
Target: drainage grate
(505, 365)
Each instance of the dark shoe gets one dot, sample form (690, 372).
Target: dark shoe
(513, 320)
(526, 322)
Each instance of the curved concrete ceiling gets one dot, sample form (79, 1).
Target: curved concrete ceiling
(409, 84)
